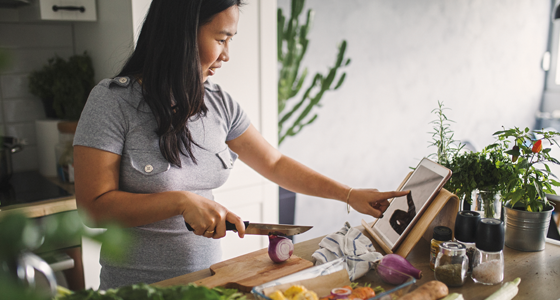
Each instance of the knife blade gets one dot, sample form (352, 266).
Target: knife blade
(265, 229)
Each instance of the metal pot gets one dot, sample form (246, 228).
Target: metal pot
(8, 145)
(526, 231)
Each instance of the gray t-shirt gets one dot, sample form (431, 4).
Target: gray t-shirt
(118, 120)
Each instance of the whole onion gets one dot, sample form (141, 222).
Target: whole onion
(392, 266)
(280, 248)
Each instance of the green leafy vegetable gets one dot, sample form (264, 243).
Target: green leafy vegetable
(488, 170)
(144, 291)
(20, 234)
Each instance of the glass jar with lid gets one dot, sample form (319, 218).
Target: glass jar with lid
(488, 265)
(441, 234)
(452, 264)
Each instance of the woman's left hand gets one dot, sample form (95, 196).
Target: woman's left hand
(372, 201)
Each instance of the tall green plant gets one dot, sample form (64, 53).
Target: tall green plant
(292, 46)
(442, 137)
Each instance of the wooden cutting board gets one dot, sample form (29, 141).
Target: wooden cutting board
(250, 270)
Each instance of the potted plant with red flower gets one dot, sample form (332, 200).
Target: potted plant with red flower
(528, 210)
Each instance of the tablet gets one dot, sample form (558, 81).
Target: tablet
(424, 184)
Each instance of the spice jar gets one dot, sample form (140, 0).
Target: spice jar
(441, 234)
(465, 232)
(488, 265)
(452, 264)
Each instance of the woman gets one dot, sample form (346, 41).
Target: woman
(154, 141)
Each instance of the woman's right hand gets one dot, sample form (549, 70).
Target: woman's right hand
(208, 218)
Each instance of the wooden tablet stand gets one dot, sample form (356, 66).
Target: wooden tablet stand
(441, 212)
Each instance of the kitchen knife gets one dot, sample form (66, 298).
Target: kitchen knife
(266, 229)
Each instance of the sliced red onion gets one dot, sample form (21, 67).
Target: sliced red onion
(392, 267)
(341, 293)
(280, 248)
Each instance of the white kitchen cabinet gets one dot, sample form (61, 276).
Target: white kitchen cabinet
(249, 77)
(59, 10)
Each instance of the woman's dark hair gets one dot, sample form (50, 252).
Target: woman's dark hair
(167, 62)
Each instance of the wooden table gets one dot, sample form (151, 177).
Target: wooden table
(539, 271)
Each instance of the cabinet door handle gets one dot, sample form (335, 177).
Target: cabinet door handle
(71, 8)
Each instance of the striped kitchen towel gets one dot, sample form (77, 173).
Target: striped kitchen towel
(350, 242)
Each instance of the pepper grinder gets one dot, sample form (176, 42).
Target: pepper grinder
(488, 265)
(465, 232)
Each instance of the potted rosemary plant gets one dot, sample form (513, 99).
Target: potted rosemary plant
(527, 209)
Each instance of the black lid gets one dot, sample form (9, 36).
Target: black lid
(465, 226)
(442, 233)
(490, 235)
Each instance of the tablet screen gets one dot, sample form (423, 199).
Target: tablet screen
(423, 184)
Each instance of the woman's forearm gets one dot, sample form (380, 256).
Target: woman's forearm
(256, 152)
(298, 178)
(129, 209)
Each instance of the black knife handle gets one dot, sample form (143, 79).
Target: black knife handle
(229, 226)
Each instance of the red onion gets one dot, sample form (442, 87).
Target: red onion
(392, 266)
(340, 293)
(280, 248)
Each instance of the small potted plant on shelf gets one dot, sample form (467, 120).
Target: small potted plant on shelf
(63, 86)
(528, 210)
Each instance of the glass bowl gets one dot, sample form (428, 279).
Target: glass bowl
(391, 291)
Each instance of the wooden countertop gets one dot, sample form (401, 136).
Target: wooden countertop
(539, 271)
(46, 207)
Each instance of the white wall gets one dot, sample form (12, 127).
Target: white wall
(110, 39)
(481, 58)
